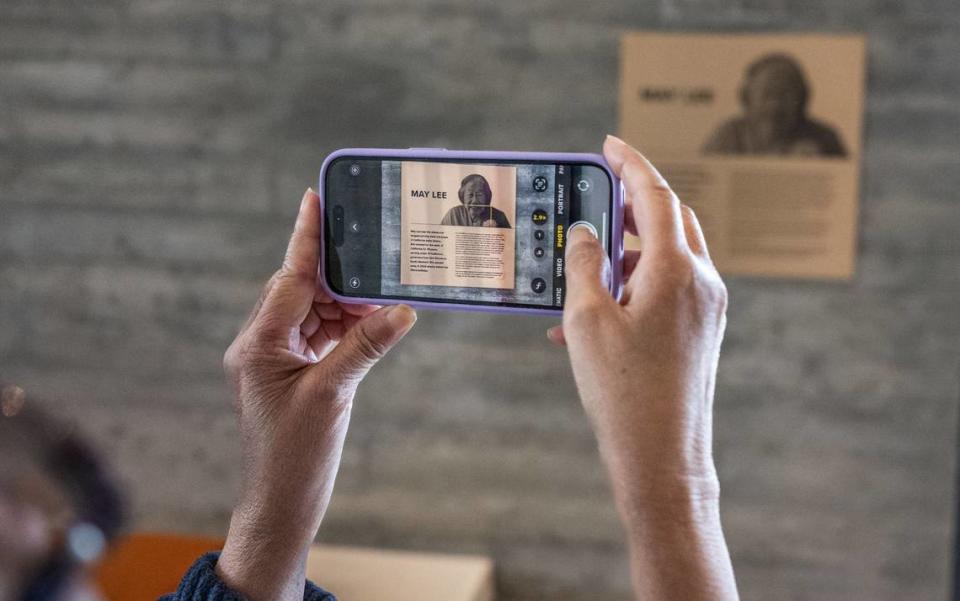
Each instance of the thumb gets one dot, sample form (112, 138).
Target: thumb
(587, 270)
(369, 340)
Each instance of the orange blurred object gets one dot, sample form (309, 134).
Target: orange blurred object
(145, 566)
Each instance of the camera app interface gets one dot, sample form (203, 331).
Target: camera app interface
(445, 231)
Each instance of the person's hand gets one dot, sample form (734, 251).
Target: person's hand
(645, 369)
(295, 367)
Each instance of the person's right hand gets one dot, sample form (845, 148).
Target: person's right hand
(645, 369)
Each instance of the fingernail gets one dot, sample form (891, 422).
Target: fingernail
(305, 201)
(402, 317)
(615, 139)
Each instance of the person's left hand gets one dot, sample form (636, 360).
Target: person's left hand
(295, 367)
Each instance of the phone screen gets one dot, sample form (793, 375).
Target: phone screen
(478, 232)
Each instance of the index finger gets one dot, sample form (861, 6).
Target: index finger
(656, 209)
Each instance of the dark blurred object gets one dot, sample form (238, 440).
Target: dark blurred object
(47, 468)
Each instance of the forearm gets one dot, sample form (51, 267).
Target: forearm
(274, 524)
(646, 369)
(676, 542)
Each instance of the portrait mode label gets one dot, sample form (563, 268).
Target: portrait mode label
(457, 225)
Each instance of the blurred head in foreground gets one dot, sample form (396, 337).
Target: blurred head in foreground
(58, 507)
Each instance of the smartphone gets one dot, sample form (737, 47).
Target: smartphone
(462, 230)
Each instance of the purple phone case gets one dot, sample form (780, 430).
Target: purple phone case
(616, 221)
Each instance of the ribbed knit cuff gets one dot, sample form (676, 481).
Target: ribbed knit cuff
(201, 583)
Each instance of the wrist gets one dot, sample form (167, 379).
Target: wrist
(684, 508)
(288, 479)
(279, 515)
(675, 497)
(659, 468)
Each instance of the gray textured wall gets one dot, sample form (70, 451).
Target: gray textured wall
(152, 155)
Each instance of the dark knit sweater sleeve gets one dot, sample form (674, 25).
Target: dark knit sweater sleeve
(201, 583)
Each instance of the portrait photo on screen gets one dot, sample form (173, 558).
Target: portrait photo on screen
(476, 205)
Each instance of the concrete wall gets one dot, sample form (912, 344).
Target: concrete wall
(152, 155)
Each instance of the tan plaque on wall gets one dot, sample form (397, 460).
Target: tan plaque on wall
(760, 135)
